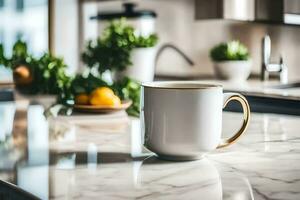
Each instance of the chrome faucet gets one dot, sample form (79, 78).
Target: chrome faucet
(171, 46)
(267, 67)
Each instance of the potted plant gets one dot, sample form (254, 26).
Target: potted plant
(231, 61)
(142, 59)
(122, 52)
(39, 79)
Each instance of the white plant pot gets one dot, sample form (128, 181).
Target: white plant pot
(233, 70)
(143, 65)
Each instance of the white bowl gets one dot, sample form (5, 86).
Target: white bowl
(233, 70)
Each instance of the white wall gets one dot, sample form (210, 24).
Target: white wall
(65, 33)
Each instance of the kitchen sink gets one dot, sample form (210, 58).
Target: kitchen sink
(278, 104)
(265, 104)
(295, 85)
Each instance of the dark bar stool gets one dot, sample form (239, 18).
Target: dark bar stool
(10, 191)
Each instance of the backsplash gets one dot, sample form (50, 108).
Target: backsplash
(176, 24)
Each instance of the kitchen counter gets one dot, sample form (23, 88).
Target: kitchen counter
(101, 157)
(262, 89)
(263, 97)
(252, 87)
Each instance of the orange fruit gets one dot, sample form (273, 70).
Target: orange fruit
(82, 99)
(22, 75)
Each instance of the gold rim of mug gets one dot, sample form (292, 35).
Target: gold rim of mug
(201, 85)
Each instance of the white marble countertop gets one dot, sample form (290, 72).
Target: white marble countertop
(101, 157)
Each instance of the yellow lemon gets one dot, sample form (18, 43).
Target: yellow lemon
(107, 101)
(116, 100)
(104, 96)
(82, 99)
(102, 92)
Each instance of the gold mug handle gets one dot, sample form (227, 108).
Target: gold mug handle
(246, 110)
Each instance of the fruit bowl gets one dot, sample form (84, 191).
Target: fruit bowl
(103, 108)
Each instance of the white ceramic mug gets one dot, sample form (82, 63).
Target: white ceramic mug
(183, 120)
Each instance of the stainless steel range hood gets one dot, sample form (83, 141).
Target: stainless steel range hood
(269, 11)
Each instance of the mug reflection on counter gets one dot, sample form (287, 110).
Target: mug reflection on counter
(201, 178)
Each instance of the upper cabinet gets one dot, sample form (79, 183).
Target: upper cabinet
(267, 11)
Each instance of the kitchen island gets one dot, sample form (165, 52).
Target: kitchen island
(101, 157)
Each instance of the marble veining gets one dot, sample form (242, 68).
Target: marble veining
(104, 159)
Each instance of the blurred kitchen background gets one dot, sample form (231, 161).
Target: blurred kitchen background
(64, 26)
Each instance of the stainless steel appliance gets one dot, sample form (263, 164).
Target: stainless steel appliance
(267, 11)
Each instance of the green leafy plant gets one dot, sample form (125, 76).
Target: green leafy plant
(145, 42)
(112, 50)
(233, 50)
(86, 84)
(51, 77)
(44, 75)
(19, 56)
(3, 60)
(129, 89)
